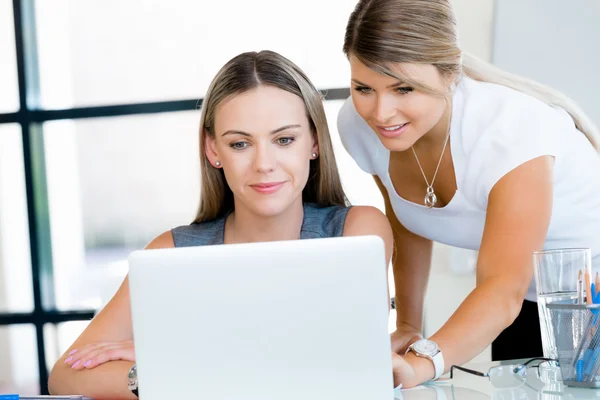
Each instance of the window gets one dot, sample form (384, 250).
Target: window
(18, 360)
(9, 100)
(156, 51)
(15, 263)
(113, 185)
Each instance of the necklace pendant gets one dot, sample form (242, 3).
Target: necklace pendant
(430, 197)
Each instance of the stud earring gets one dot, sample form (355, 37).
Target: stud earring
(314, 155)
(453, 87)
(217, 163)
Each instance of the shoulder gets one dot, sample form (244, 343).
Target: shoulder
(357, 137)
(162, 241)
(496, 112)
(324, 221)
(502, 129)
(199, 233)
(367, 220)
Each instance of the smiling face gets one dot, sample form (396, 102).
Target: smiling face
(398, 113)
(264, 144)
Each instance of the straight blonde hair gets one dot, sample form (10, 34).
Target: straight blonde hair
(245, 72)
(381, 33)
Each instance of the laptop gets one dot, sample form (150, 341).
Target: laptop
(288, 320)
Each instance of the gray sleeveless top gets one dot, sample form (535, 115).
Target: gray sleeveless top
(319, 222)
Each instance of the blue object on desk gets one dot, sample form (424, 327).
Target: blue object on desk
(66, 397)
(584, 367)
(579, 370)
(595, 296)
(54, 397)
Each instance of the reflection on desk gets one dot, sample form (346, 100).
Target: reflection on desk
(440, 392)
(467, 386)
(526, 392)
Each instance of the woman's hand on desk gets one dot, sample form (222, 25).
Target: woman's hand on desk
(403, 337)
(410, 370)
(403, 372)
(94, 354)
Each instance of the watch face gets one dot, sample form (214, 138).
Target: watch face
(132, 383)
(426, 347)
(132, 372)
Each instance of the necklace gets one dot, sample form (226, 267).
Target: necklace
(233, 230)
(430, 197)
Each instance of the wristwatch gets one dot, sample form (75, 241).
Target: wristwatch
(132, 383)
(429, 349)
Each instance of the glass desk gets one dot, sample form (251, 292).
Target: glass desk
(471, 387)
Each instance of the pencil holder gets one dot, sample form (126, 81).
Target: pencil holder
(560, 275)
(576, 330)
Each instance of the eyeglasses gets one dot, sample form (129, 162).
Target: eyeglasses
(505, 376)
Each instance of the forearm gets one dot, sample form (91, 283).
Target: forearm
(106, 381)
(411, 263)
(409, 310)
(410, 278)
(481, 317)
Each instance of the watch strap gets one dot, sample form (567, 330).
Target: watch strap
(437, 359)
(438, 364)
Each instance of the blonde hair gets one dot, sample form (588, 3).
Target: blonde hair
(381, 33)
(245, 72)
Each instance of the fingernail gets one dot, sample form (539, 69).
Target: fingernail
(87, 363)
(68, 359)
(73, 352)
(76, 364)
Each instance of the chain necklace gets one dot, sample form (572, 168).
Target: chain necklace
(430, 197)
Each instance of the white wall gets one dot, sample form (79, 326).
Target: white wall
(475, 26)
(560, 51)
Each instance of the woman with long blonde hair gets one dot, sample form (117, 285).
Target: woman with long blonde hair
(268, 173)
(471, 156)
